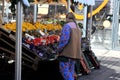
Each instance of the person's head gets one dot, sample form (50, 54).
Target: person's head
(70, 17)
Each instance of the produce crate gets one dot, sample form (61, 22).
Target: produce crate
(7, 51)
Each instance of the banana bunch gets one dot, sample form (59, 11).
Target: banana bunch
(49, 27)
(26, 26)
(10, 26)
(39, 26)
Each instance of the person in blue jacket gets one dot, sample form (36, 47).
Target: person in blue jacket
(69, 47)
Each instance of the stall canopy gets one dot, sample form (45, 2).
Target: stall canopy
(88, 2)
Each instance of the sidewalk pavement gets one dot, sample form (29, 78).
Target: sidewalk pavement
(100, 53)
(110, 66)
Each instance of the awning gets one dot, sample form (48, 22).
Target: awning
(88, 2)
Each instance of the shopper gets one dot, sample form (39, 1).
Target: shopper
(69, 47)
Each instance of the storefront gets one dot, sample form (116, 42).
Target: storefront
(108, 37)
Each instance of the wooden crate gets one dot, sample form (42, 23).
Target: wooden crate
(7, 50)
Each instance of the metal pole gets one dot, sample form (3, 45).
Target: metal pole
(18, 46)
(35, 13)
(90, 27)
(85, 21)
(114, 23)
(3, 2)
(68, 7)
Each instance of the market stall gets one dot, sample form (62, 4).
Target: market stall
(33, 44)
(29, 47)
